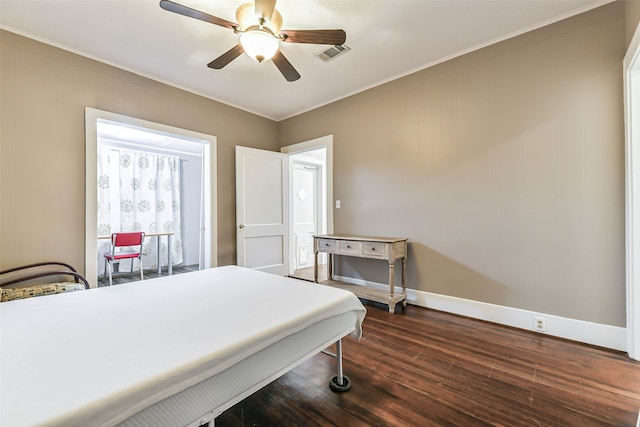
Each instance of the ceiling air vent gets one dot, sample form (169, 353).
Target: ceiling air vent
(333, 52)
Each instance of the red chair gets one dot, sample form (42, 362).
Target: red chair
(129, 241)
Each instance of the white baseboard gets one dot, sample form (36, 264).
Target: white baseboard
(613, 337)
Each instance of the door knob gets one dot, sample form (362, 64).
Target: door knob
(241, 226)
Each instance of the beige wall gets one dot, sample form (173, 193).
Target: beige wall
(504, 168)
(632, 13)
(44, 91)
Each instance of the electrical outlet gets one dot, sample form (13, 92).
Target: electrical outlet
(539, 324)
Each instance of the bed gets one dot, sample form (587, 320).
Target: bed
(173, 351)
(18, 282)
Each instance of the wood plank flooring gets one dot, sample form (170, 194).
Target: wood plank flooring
(428, 368)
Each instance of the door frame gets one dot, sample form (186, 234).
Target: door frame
(92, 116)
(325, 142)
(631, 67)
(319, 213)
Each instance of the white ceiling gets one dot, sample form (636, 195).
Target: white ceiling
(388, 39)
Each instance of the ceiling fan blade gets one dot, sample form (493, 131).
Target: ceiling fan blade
(332, 37)
(192, 13)
(226, 57)
(285, 67)
(265, 8)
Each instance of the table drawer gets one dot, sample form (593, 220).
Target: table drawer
(350, 247)
(375, 249)
(325, 245)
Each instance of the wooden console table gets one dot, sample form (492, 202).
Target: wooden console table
(384, 248)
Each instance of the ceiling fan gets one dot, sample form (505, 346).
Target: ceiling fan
(260, 29)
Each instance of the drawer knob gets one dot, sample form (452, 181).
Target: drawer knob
(373, 249)
(348, 246)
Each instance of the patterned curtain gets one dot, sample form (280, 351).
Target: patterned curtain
(139, 191)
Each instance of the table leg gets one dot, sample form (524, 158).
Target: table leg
(392, 278)
(330, 266)
(392, 285)
(315, 267)
(158, 256)
(170, 266)
(404, 281)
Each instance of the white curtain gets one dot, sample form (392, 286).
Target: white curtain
(139, 191)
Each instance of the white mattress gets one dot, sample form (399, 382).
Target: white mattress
(144, 352)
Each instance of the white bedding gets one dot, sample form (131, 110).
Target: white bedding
(101, 356)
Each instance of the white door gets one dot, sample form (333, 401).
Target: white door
(305, 212)
(262, 210)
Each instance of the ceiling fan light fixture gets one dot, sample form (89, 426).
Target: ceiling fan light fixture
(259, 44)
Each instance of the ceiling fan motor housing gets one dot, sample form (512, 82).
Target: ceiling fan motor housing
(247, 18)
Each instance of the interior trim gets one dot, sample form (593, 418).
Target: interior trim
(612, 337)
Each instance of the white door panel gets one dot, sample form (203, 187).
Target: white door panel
(262, 210)
(263, 252)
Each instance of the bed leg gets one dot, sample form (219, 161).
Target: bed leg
(340, 383)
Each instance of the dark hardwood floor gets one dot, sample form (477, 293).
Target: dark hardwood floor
(428, 368)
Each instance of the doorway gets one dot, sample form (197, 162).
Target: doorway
(308, 203)
(311, 194)
(264, 230)
(195, 154)
(117, 142)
